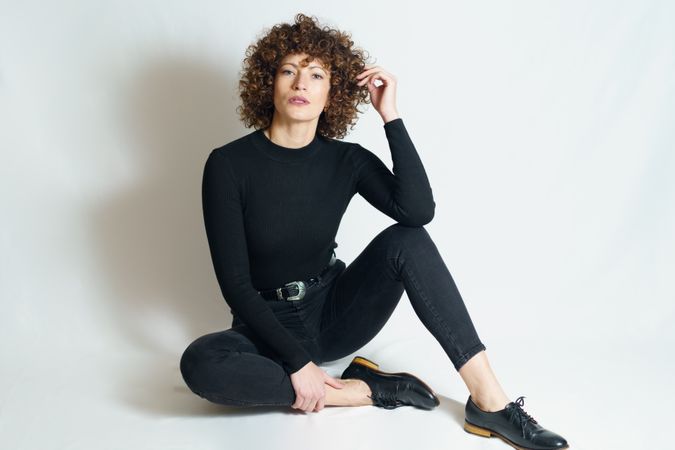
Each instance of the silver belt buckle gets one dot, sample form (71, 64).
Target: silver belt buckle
(301, 291)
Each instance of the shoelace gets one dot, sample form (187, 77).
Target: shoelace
(517, 411)
(386, 400)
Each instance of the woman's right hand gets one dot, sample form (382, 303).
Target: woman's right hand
(309, 385)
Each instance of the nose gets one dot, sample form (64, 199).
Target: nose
(299, 82)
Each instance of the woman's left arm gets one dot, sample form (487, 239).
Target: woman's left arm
(404, 195)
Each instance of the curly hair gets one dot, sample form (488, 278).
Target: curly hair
(333, 47)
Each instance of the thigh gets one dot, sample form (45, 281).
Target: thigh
(362, 300)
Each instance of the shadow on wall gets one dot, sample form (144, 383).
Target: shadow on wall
(150, 237)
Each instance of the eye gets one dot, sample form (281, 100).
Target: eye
(320, 77)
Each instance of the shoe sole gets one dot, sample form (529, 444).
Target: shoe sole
(480, 431)
(376, 368)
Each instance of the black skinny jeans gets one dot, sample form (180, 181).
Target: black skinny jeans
(337, 317)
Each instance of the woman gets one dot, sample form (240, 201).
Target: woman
(272, 203)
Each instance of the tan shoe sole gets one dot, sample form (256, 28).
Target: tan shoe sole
(474, 429)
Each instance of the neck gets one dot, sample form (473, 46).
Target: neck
(291, 135)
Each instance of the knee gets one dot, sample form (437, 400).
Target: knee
(406, 238)
(196, 363)
(193, 357)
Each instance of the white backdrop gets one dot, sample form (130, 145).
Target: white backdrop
(546, 129)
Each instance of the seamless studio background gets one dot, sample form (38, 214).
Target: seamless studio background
(546, 129)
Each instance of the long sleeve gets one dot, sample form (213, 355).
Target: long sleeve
(224, 223)
(406, 195)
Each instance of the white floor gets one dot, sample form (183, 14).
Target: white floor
(598, 395)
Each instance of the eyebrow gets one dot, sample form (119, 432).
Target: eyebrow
(311, 67)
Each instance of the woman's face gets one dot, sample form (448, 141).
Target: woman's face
(296, 77)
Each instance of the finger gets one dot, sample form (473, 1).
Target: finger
(381, 75)
(367, 71)
(365, 80)
(312, 405)
(386, 78)
(317, 407)
(369, 66)
(300, 402)
(363, 75)
(307, 405)
(335, 382)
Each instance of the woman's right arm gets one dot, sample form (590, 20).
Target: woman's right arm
(224, 223)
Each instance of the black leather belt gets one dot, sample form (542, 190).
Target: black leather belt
(295, 290)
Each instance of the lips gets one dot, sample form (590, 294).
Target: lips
(298, 100)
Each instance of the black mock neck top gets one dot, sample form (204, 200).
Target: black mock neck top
(271, 214)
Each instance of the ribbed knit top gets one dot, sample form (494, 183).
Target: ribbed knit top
(271, 214)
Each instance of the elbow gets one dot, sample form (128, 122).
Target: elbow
(429, 215)
(420, 217)
(425, 218)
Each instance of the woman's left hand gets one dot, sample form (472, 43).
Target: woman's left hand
(382, 97)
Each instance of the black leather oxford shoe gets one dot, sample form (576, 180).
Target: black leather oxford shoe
(391, 390)
(513, 425)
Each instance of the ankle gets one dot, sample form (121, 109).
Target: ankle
(362, 393)
(354, 393)
(490, 402)
(361, 389)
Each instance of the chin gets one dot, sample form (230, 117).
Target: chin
(306, 116)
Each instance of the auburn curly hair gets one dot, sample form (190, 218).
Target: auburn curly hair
(333, 47)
